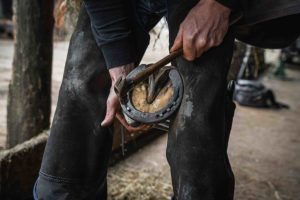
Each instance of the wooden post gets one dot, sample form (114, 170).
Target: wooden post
(29, 98)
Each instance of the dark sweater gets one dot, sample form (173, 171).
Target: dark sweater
(111, 26)
(112, 29)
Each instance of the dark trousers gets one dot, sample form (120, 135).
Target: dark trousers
(76, 157)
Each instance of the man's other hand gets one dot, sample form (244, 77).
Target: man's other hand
(204, 27)
(113, 104)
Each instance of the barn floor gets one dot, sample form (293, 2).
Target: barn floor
(264, 146)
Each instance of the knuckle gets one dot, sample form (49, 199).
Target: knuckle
(202, 42)
(189, 38)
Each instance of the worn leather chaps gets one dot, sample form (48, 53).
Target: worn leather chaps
(76, 157)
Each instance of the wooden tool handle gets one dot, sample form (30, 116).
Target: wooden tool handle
(152, 68)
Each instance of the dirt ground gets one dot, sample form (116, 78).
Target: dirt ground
(264, 146)
(264, 151)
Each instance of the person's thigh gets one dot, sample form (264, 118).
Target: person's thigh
(77, 152)
(76, 157)
(197, 142)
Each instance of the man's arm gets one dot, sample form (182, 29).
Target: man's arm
(204, 27)
(112, 30)
(111, 27)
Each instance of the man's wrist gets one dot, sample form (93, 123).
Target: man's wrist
(116, 72)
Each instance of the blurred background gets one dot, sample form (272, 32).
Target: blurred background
(264, 146)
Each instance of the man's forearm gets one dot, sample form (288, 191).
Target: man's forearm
(111, 28)
(117, 72)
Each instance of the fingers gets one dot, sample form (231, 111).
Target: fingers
(112, 105)
(178, 40)
(194, 45)
(194, 48)
(205, 44)
(110, 115)
(129, 128)
(202, 45)
(189, 48)
(202, 29)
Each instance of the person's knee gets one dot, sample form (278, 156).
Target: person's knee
(81, 86)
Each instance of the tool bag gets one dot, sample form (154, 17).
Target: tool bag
(253, 93)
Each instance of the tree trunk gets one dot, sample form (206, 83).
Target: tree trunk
(29, 98)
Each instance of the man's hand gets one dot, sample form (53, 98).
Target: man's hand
(113, 104)
(204, 27)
